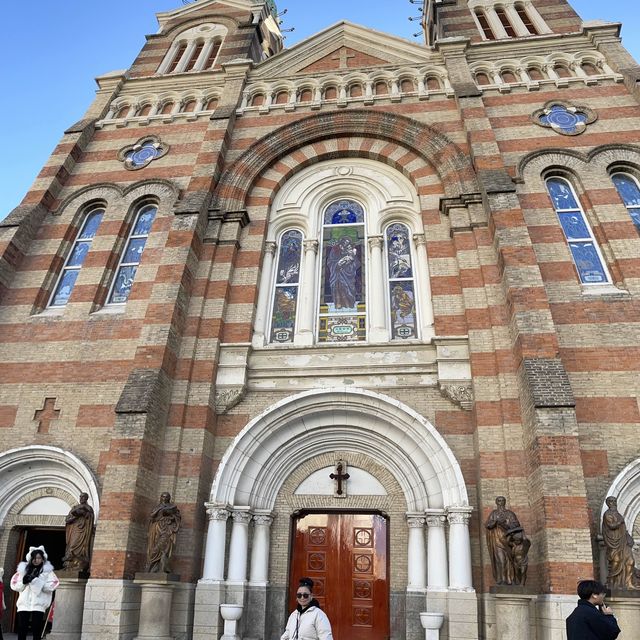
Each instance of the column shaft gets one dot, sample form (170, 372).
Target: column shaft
(216, 540)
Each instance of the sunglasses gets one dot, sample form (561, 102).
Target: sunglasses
(303, 595)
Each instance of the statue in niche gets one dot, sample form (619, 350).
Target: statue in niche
(164, 523)
(508, 545)
(621, 572)
(79, 533)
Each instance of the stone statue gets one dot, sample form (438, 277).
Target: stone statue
(508, 545)
(164, 523)
(619, 545)
(79, 533)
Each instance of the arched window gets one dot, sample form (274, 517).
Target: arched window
(212, 104)
(407, 86)
(589, 68)
(382, 89)
(213, 54)
(583, 246)
(306, 95)
(195, 49)
(562, 71)
(167, 107)
(285, 297)
(330, 93)
(629, 190)
(508, 77)
(73, 263)
(535, 74)
(122, 111)
(132, 254)
(189, 106)
(482, 78)
(433, 84)
(282, 97)
(526, 20)
(146, 109)
(343, 300)
(502, 16)
(257, 100)
(484, 24)
(355, 90)
(341, 266)
(402, 292)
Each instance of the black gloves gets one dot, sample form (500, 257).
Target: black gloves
(27, 579)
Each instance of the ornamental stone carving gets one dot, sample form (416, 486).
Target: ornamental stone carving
(460, 394)
(226, 399)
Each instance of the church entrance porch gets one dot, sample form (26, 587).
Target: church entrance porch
(345, 554)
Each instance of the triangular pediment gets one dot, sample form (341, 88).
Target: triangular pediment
(341, 47)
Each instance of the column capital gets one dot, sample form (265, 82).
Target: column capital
(435, 518)
(420, 239)
(263, 519)
(415, 520)
(459, 515)
(270, 247)
(217, 512)
(311, 245)
(241, 517)
(375, 242)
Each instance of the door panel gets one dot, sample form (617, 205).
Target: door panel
(346, 555)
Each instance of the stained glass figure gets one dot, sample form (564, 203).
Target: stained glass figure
(78, 253)
(562, 195)
(629, 191)
(125, 276)
(343, 277)
(402, 302)
(582, 244)
(285, 300)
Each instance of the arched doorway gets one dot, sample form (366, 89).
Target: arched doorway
(257, 479)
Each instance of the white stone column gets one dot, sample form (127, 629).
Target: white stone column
(213, 569)
(416, 557)
(264, 295)
(459, 548)
(169, 57)
(516, 21)
(524, 76)
(186, 56)
(304, 331)
(368, 92)
(424, 284)
(550, 71)
(422, 87)
(204, 55)
(537, 20)
(259, 574)
(437, 566)
(239, 546)
(378, 331)
(494, 22)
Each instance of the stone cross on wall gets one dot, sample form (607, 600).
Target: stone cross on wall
(340, 477)
(343, 56)
(46, 415)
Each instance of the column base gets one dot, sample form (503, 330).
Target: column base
(69, 605)
(155, 605)
(513, 621)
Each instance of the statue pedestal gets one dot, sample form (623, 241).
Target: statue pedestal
(155, 605)
(513, 619)
(626, 608)
(69, 605)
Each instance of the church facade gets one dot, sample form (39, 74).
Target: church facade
(334, 299)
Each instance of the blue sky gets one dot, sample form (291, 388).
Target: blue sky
(51, 51)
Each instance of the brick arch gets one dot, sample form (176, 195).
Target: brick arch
(453, 166)
(406, 161)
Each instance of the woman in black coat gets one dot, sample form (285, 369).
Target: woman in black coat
(592, 619)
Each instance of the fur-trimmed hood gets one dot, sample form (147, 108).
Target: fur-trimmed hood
(47, 567)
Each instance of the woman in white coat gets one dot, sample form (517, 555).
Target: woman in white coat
(308, 621)
(35, 581)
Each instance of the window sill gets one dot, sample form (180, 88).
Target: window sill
(609, 290)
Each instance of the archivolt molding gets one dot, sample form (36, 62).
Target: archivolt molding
(35, 468)
(275, 443)
(626, 488)
(604, 155)
(454, 168)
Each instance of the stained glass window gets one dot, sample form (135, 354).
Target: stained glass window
(402, 300)
(342, 310)
(73, 263)
(584, 250)
(285, 299)
(629, 191)
(132, 255)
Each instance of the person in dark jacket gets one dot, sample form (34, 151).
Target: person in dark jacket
(592, 619)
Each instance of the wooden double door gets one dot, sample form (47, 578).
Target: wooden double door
(346, 556)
